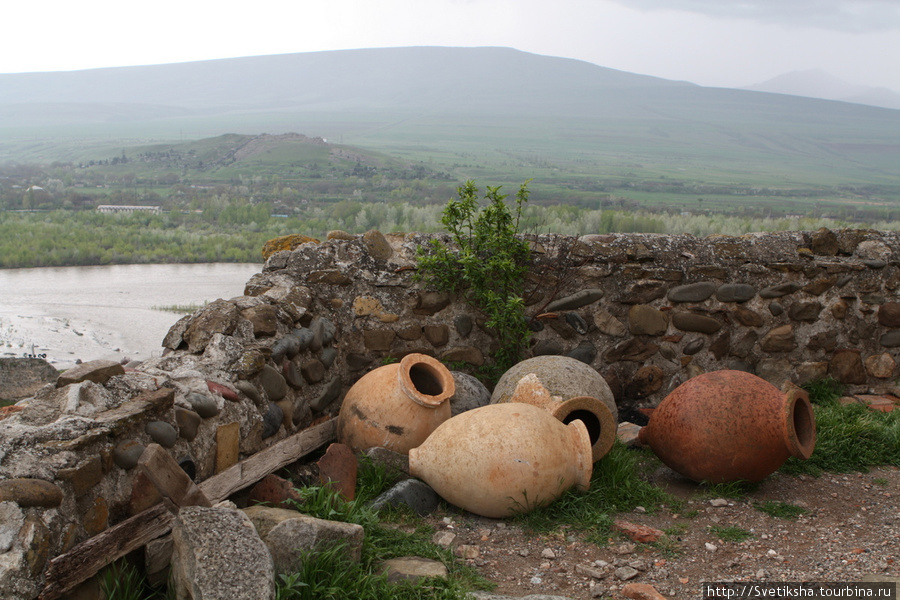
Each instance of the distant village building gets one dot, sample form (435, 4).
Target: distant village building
(112, 208)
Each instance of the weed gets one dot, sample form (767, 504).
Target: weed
(325, 572)
(880, 481)
(676, 529)
(850, 438)
(488, 265)
(824, 391)
(668, 546)
(778, 509)
(122, 580)
(730, 534)
(615, 487)
(730, 489)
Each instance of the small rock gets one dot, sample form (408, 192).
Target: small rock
(445, 539)
(188, 423)
(413, 493)
(718, 502)
(467, 552)
(641, 591)
(637, 533)
(626, 573)
(548, 553)
(710, 547)
(411, 568)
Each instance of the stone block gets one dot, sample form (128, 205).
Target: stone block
(98, 371)
(217, 554)
(170, 479)
(288, 534)
(228, 444)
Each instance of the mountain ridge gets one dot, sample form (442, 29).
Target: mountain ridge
(444, 101)
(815, 83)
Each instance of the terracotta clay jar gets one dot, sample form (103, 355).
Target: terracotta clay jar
(396, 406)
(728, 426)
(596, 416)
(503, 459)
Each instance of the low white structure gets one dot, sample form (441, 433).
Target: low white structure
(112, 208)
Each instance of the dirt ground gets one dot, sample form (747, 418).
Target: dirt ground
(850, 533)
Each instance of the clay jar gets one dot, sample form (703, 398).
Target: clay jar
(599, 421)
(396, 406)
(502, 459)
(728, 426)
(562, 376)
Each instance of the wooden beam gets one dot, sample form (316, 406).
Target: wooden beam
(255, 467)
(87, 558)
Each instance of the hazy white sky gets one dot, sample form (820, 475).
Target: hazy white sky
(726, 43)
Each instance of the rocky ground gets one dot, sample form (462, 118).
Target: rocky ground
(850, 532)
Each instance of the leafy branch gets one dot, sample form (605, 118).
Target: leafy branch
(488, 264)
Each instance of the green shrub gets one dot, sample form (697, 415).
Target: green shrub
(487, 264)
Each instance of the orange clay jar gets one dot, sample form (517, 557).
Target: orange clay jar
(396, 406)
(728, 426)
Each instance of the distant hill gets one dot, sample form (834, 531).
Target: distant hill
(819, 84)
(456, 104)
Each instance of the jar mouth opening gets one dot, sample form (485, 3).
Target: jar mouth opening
(425, 380)
(597, 419)
(800, 424)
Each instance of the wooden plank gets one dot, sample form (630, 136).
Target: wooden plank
(87, 558)
(255, 467)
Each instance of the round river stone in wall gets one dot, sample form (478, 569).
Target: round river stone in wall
(127, 453)
(188, 423)
(203, 405)
(162, 433)
(273, 383)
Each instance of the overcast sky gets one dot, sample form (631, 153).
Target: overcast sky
(727, 43)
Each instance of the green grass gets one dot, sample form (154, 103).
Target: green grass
(849, 438)
(730, 533)
(122, 580)
(325, 573)
(780, 510)
(616, 486)
(735, 490)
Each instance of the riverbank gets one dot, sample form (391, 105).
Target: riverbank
(67, 314)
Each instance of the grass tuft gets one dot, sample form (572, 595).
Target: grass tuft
(780, 510)
(616, 486)
(730, 533)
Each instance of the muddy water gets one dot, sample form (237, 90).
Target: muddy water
(110, 312)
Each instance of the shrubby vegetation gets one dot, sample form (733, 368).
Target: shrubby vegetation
(215, 208)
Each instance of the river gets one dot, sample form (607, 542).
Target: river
(109, 312)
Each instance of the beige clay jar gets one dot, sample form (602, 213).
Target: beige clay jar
(503, 459)
(396, 406)
(596, 416)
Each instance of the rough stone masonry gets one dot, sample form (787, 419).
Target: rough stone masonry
(241, 374)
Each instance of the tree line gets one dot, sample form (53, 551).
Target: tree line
(230, 232)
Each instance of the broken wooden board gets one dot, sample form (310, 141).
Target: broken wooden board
(87, 558)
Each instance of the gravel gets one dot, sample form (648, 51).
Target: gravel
(850, 532)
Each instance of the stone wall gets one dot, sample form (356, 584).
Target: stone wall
(647, 311)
